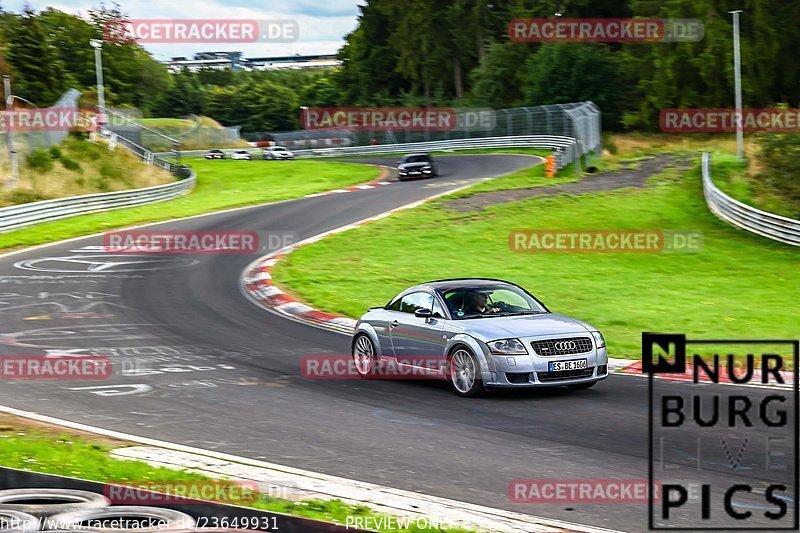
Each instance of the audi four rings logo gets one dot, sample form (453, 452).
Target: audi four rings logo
(566, 345)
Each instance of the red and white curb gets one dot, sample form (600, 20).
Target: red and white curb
(257, 284)
(634, 368)
(354, 188)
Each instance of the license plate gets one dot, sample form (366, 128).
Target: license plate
(561, 366)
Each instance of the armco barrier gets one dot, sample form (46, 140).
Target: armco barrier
(206, 513)
(565, 148)
(775, 227)
(19, 216)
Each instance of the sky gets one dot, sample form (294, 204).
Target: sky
(322, 23)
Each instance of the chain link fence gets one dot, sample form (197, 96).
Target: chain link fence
(128, 123)
(580, 121)
(26, 141)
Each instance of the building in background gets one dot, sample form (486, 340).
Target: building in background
(236, 61)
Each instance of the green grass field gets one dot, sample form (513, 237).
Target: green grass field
(739, 286)
(51, 450)
(221, 184)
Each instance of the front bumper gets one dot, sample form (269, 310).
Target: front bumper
(532, 370)
(414, 173)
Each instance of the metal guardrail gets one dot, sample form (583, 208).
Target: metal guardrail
(743, 216)
(565, 148)
(20, 216)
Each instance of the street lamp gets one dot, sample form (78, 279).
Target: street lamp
(304, 117)
(737, 73)
(98, 66)
(12, 153)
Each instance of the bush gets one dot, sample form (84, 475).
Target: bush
(109, 171)
(70, 164)
(40, 160)
(780, 161)
(24, 196)
(55, 152)
(79, 134)
(101, 184)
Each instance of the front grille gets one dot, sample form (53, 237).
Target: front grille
(566, 374)
(518, 377)
(568, 346)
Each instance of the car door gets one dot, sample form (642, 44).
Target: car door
(417, 341)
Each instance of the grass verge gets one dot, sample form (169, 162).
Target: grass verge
(221, 184)
(37, 447)
(77, 167)
(739, 286)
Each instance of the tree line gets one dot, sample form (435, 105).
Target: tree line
(436, 53)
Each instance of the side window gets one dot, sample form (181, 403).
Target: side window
(438, 310)
(395, 305)
(416, 300)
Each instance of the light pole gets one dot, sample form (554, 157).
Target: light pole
(304, 117)
(98, 67)
(737, 73)
(12, 153)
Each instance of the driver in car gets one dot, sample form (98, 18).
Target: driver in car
(477, 304)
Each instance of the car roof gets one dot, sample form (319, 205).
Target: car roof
(462, 283)
(416, 155)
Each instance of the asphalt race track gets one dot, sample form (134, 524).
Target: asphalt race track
(225, 374)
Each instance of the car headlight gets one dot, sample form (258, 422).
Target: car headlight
(507, 347)
(599, 341)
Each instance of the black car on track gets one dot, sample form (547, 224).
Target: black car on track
(413, 166)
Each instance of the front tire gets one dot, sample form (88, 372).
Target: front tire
(364, 355)
(464, 373)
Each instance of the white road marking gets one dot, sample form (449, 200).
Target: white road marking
(386, 499)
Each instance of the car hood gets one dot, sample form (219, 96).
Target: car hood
(413, 165)
(488, 329)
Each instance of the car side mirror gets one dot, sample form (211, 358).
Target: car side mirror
(423, 313)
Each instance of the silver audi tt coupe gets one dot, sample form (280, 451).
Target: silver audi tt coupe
(478, 334)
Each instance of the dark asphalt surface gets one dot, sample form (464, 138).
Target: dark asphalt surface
(207, 368)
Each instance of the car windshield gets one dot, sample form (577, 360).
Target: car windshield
(416, 159)
(490, 301)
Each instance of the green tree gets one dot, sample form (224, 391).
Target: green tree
(497, 81)
(560, 73)
(38, 73)
(320, 93)
(184, 97)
